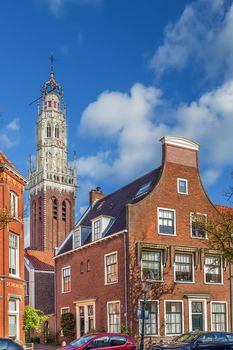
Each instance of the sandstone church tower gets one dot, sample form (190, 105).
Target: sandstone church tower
(52, 183)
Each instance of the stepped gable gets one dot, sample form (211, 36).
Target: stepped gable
(114, 205)
(40, 260)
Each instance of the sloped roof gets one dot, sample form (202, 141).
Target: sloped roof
(5, 160)
(224, 209)
(40, 260)
(114, 205)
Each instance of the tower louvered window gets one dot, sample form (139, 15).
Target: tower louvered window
(55, 209)
(40, 209)
(48, 130)
(57, 131)
(63, 211)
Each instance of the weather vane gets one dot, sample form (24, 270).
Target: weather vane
(52, 59)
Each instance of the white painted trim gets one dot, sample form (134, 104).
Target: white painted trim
(161, 264)
(65, 308)
(193, 267)
(91, 243)
(78, 231)
(113, 302)
(180, 142)
(17, 274)
(85, 303)
(166, 234)
(221, 267)
(42, 271)
(158, 319)
(178, 187)
(105, 268)
(211, 312)
(15, 313)
(182, 317)
(191, 223)
(62, 282)
(204, 317)
(93, 228)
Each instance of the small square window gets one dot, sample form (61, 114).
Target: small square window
(182, 186)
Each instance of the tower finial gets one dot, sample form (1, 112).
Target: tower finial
(52, 59)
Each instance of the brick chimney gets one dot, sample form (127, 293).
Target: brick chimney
(95, 195)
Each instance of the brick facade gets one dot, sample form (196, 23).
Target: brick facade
(11, 284)
(196, 298)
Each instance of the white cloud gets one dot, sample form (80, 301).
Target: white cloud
(203, 34)
(132, 120)
(6, 141)
(13, 125)
(57, 6)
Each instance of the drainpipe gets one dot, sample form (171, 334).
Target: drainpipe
(126, 279)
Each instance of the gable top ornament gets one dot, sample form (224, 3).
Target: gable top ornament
(51, 85)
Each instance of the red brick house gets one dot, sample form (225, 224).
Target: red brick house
(146, 230)
(11, 251)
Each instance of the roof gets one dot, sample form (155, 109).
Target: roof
(114, 206)
(5, 160)
(224, 209)
(40, 260)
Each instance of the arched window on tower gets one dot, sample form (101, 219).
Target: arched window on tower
(57, 131)
(55, 208)
(64, 211)
(40, 209)
(48, 130)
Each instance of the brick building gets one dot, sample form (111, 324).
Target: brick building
(146, 230)
(11, 251)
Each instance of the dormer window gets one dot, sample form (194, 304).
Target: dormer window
(97, 230)
(77, 239)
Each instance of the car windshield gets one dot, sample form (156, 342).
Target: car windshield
(80, 341)
(185, 338)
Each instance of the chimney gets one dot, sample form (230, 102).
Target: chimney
(95, 195)
(180, 150)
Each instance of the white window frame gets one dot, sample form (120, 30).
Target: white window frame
(14, 202)
(158, 318)
(15, 313)
(221, 263)
(79, 233)
(64, 308)
(84, 303)
(62, 280)
(205, 318)
(211, 313)
(191, 225)
(166, 234)
(161, 264)
(182, 317)
(105, 268)
(16, 274)
(93, 229)
(178, 187)
(113, 302)
(193, 268)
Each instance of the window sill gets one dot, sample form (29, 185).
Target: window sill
(215, 283)
(167, 234)
(185, 282)
(203, 238)
(14, 276)
(66, 292)
(110, 283)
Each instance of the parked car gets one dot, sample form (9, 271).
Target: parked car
(109, 341)
(199, 341)
(9, 344)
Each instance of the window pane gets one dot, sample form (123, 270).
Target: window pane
(173, 317)
(111, 268)
(183, 267)
(114, 317)
(151, 265)
(219, 317)
(151, 324)
(213, 269)
(166, 221)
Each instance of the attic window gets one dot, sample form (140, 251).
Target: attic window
(143, 189)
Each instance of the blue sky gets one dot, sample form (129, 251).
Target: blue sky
(132, 72)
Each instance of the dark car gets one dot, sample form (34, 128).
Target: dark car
(9, 344)
(109, 341)
(199, 341)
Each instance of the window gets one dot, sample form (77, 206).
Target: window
(151, 265)
(111, 268)
(183, 267)
(173, 317)
(65, 310)
(82, 267)
(66, 279)
(143, 189)
(213, 269)
(85, 318)
(48, 130)
(166, 219)
(182, 186)
(57, 131)
(151, 324)
(63, 211)
(198, 315)
(49, 103)
(13, 254)
(55, 104)
(88, 265)
(197, 231)
(55, 208)
(219, 317)
(14, 205)
(77, 239)
(114, 323)
(13, 318)
(97, 230)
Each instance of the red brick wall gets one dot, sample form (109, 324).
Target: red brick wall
(48, 233)
(9, 285)
(44, 292)
(91, 285)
